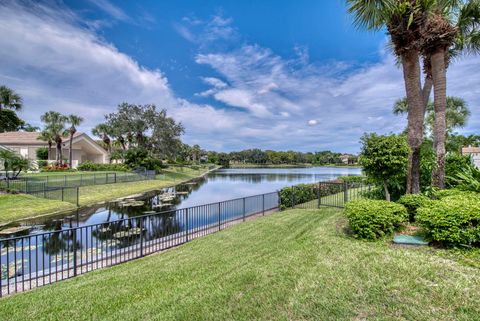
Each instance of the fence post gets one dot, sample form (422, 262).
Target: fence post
(345, 192)
(115, 177)
(186, 220)
(244, 209)
(293, 196)
(219, 217)
(318, 195)
(81, 179)
(62, 192)
(78, 196)
(26, 185)
(141, 236)
(44, 190)
(94, 179)
(263, 204)
(8, 181)
(74, 239)
(65, 180)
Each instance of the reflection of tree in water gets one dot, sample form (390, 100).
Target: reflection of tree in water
(162, 225)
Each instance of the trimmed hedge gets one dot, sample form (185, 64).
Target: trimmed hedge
(291, 196)
(453, 220)
(412, 202)
(374, 219)
(91, 166)
(441, 194)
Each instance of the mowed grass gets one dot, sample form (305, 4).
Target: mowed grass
(15, 206)
(293, 265)
(20, 206)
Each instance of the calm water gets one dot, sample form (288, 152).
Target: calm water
(220, 185)
(57, 247)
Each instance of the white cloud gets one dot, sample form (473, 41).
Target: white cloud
(112, 10)
(312, 122)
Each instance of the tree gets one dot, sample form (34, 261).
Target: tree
(456, 114)
(384, 158)
(10, 99)
(13, 162)
(55, 126)
(29, 128)
(9, 121)
(48, 137)
(104, 131)
(74, 121)
(441, 36)
(403, 20)
(455, 142)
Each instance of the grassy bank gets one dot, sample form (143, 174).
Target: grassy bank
(294, 265)
(13, 207)
(18, 206)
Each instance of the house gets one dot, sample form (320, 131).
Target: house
(27, 143)
(473, 152)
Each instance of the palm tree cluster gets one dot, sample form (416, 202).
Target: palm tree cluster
(57, 127)
(435, 31)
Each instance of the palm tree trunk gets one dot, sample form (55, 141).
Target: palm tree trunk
(440, 105)
(59, 152)
(411, 75)
(426, 91)
(70, 156)
(49, 150)
(387, 193)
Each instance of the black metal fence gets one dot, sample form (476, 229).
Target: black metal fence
(328, 193)
(66, 187)
(38, 259)
(25, 184)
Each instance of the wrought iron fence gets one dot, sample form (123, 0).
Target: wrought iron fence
(38, 259)
(327, 193)
(25, 184)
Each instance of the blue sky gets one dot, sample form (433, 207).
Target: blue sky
(238, 74)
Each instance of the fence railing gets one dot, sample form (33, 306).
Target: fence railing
(35, 260)
(39, 259)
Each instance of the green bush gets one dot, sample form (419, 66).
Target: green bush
(453, 220)
(290, 196)
(42, 153)
(441, 194)
(92, 167)
(373, 219)
(352, 178)
(455, 164)
(412, 202)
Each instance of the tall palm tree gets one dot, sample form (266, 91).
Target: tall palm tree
(403, 20)
(450, 27)
(74, 122)
(55, 124)
(48, 137)
(10, 99)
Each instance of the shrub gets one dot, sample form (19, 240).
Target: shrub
(92, 167)
(42, 153)
(455, 164)
(412, 202)
(441, 194)
(352, 178)
(298, 194)
(453, 220)
(373, 219)
(42, 163)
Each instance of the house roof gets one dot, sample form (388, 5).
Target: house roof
(469, 150)
(24, 138)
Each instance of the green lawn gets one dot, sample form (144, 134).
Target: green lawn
(13, 207)
(18, 206)
(294, 265)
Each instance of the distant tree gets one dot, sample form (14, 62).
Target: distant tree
(13, 162)
(9, 99)
(104, 131)
(74, 122)
(55, 125)
(455, 142)
(384, 158)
